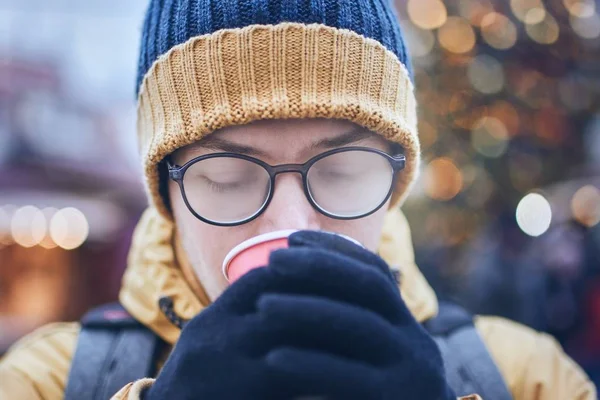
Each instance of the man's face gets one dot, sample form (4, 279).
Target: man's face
(277, 142)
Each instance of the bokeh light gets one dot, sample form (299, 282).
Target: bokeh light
(535, 16)
(443, 179)
(461, 111)
(420, 41)
(580, 8)
(506, 112)
(585, 206)
(475, 10)
(490, 137)
(427, 14)
(469, 173)
(521, 8)
(587, 27)
(28, 226)
(486, 74)
(498, 31)
(545, 31)
(69, 228)
(457, 35)
(534, 214)
(6, 213)
(469, 118)
(428, 134)
(551, 125)
(47, 242)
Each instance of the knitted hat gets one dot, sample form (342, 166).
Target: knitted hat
(208, 64)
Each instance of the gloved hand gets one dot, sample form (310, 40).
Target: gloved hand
(345, 332)
(221, 352)
(323, 319)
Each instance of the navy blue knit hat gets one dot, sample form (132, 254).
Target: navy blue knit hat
(172, 22)
(208, 64)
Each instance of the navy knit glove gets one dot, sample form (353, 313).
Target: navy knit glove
(221, 353)
(323, 319)
(344, 330)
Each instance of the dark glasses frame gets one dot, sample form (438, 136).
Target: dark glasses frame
(176, 173)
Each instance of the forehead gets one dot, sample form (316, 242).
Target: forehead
(293, 132)
(283, 139)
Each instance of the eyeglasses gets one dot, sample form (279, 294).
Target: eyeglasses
(229, 189)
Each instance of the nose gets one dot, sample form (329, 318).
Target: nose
(289, 207)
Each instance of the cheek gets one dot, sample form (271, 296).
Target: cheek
(205, 245)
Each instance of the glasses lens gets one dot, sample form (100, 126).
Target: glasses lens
(350, 183)
(226, 189)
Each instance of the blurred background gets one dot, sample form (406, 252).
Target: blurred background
(505, 217)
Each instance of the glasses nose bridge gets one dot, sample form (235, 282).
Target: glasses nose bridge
(288, 168)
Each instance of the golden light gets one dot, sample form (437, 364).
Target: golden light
(457, 35)
(534, 214)
(470, 118)
(521, 8)
(580, 8)
(535, 16)
(545, 32)
(498, 31)
(3, 219)
(427, 14)
(443, 179)
(506, 113)
(6, 214)
(489, 137)
(486, 74)
(427, 133)
(469, 173)
(460, 101)
(585, 205)
(551, 124)
(47, 241)
(475, 10)
(28, 226)
(420, 41)
(586, 27)
(69, 228)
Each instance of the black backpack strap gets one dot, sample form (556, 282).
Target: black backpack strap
(113, 349)
(468, 364)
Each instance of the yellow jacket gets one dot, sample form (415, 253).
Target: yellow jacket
(533, 364)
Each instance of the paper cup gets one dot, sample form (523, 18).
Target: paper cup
(254, 252)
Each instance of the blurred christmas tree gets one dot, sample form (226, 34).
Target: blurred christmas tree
(508, 91)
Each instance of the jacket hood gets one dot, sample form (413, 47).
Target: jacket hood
(153, 272)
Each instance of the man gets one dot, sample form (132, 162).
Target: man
(229, 92)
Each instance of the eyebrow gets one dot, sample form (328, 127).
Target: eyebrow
(214, 142)
(344, 139)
